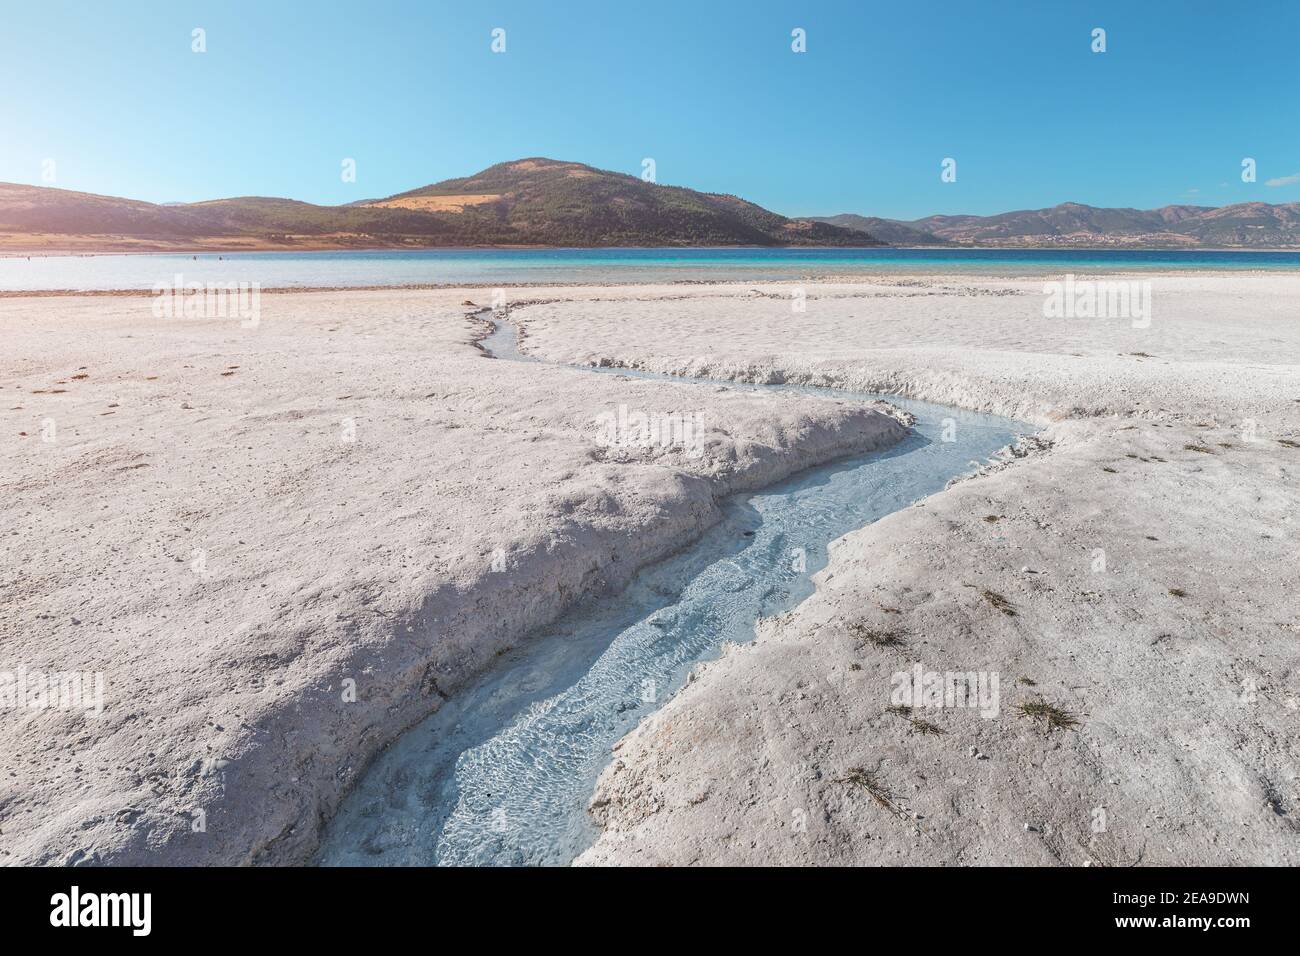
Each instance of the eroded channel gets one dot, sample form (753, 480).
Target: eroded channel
(502, 773)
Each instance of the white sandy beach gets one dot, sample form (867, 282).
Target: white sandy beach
(231, 524)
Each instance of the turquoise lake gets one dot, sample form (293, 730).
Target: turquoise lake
(492, 267)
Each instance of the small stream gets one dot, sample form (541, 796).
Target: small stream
(502, 773)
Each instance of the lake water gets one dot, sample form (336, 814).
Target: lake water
(492, 267)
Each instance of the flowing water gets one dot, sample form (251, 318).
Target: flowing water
(501, 775)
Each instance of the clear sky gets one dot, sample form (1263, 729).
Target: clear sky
(114, 95)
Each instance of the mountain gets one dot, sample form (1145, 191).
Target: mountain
(529, 202)
(1244, 225)
(546, 202)
(887, 230)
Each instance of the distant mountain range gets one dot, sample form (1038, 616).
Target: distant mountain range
(546, 202)
(1253, 225)
(529, 202)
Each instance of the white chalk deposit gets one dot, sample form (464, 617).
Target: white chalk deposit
(1131, 585)
(280, 545)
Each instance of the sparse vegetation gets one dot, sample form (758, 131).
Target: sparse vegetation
(867, 780)
(998, 601)
(995, 599)
(1178, 592)
(925, 727)
(1054, 717)
(865, 634)
(921, 725)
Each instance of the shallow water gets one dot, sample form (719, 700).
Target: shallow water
(492, 267)
(501, 775)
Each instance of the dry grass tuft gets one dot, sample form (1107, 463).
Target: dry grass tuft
(921, 725)
(998, 601)
(866, 779)
(1055, 717)
(925, 727)
(865, 634)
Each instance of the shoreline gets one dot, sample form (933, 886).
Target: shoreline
(859, 279)
(8, 252)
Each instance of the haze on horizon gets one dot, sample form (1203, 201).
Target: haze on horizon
(122, 105)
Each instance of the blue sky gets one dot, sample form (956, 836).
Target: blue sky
(711, 90)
